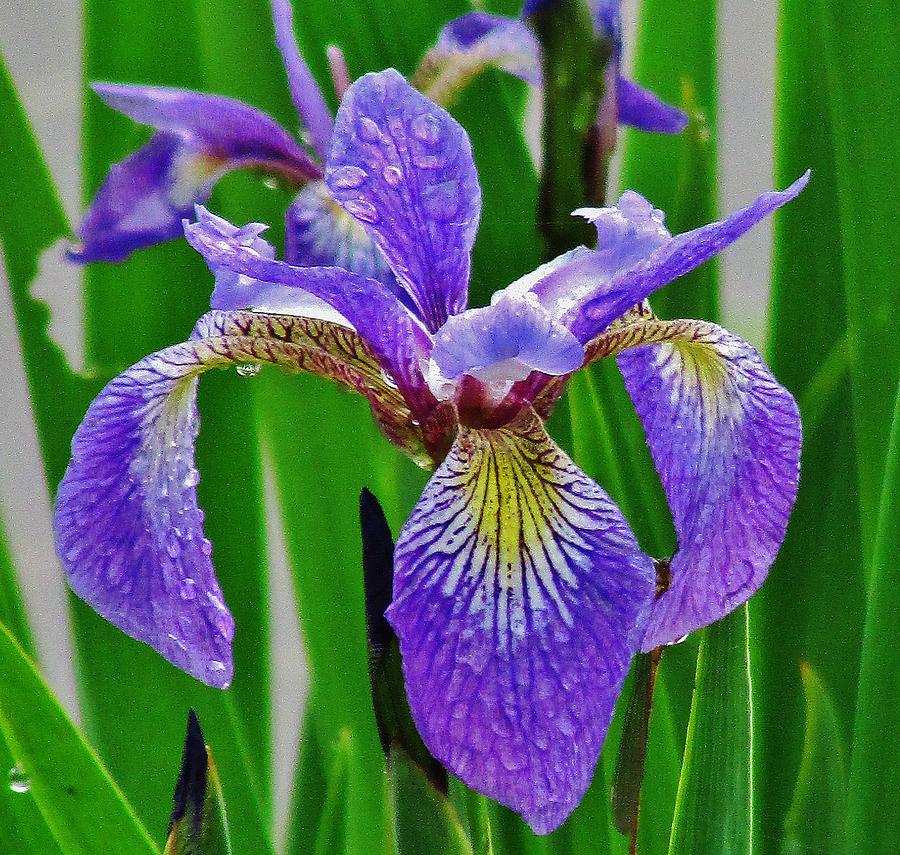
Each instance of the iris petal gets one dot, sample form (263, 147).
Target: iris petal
(403, 168)
(641, 109)
(519, 590)
(128, 527)
(725, 437)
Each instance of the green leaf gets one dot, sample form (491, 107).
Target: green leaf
(873, 808)
(815, 821)
(80, 804)
(12, 607)
(821, 562)
(147, 302)
(425, 821)
(860, 52)
(199, 825)
(714, 809)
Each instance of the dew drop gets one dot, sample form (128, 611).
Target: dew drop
(426, 128)
(216, 667)
(192, 478)
(368, 130)
(270, 182)
(388, 379)
(677, 641)
(415, 422)
(362, 210)
(393, 175)
(206, 547)
(248, 369)
(19, 782)
(349, 177)
(188, 589)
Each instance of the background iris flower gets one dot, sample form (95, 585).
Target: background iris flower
(520, 592)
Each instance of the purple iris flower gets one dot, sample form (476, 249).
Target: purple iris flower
(478, 40)
(198, 139)
(520, 592)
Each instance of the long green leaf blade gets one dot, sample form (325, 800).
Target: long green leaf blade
(715, 795)
(81, 805)
(873, 809)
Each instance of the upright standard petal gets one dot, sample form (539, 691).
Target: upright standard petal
(128, 528)
(305, 91)
(403, 167)
(636, 256)
(519, 593)
(397, 338)
(725, 437)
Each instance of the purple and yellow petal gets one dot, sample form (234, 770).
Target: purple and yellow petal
(519, 593)
(403, 168)
(128, 527)
(725, 437)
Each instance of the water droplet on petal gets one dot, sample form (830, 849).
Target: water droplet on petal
(206, 547)
(192, 478)
(349, 177)
(368, 130)
(216, 667)
(677, 641)
(248, 369)
(426, 128)
(388, 380)
(188, 589)
(362, 210)
(270, 182)
(19, 782)
(393, 175)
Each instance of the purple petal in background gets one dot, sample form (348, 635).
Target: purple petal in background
(641, 109)
(222, 127)
(144, 198)
(725, 437)
(477, 40)
(519, 590)
(305, 91)
(403, 167)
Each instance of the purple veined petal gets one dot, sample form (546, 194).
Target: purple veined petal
(221, 127)
(641, 109)
(319, 233)
(396, 336)
(128, 528)
(725, 437)
(305, 91)
(636, 257)
(144, 198)
(500, 345)
(403, 167)
(478, 40)
(519, 594)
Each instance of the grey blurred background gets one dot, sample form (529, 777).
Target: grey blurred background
(40, 40)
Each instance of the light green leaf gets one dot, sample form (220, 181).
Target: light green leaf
(80, 804)
(873, 808)
(12, 607)
(714, 809)
(815, 822)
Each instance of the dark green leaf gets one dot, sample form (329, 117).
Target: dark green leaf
(80, 804)
(713, 812)
(873, 809)
(199, 825)
(425, 821)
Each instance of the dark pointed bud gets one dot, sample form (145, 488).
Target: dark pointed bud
(378, 574)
